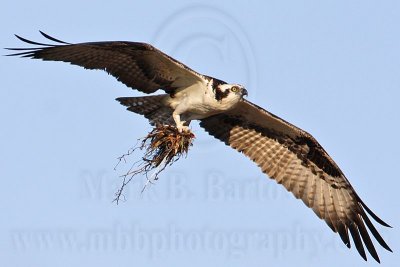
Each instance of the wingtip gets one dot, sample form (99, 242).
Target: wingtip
(32, 42)
(19, 37)
(364, 256)
(51, 38)
(374, 256)
(383, 223)
(373, 215)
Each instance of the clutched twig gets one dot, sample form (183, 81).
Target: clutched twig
(163, 146)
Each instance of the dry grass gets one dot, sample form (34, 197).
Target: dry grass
(163, 146)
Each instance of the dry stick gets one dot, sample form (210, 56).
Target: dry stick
(163, 146)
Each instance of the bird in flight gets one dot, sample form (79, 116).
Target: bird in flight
(286, 153)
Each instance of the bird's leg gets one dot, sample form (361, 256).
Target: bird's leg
(179, 124)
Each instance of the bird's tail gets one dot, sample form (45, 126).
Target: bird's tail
(152, 107)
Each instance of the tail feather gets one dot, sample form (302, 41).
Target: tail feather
(151, 107)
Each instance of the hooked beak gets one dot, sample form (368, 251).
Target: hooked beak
(244, 92)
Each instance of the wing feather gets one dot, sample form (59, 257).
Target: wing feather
(357, 240)
(138, 65)
(297, 161)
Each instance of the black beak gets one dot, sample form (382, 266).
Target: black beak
(244, 92)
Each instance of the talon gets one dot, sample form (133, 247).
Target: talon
(182, 128)
(180, 124)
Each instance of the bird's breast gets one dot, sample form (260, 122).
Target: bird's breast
(197, 102)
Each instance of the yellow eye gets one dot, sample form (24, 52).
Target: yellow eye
(234, 89)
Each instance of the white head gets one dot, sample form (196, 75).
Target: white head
(229, 93)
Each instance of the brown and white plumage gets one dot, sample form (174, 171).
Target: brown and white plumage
(138, 65)
(296, 160)
(284, 152)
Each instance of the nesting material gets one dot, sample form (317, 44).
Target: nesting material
(163, 146)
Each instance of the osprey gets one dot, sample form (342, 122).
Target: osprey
(283, 151)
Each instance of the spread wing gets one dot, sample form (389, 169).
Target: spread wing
(137, 65)
(297, 161)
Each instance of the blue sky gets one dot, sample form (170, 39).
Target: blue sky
(330, 67)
